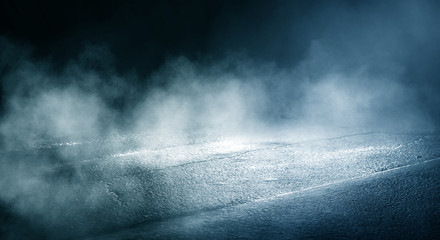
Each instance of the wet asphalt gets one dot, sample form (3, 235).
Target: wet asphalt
(370, 185)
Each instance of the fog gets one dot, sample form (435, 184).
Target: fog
(370, 66)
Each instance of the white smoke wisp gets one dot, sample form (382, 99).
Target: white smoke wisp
(197, 100)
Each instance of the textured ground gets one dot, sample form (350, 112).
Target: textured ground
(403, 203)
(332, 185)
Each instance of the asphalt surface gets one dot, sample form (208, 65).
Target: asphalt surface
(402, 203)
(352, 185)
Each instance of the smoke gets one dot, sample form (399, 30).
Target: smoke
(367, 68)
(55, 121)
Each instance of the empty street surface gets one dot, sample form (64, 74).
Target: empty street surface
(347, 186)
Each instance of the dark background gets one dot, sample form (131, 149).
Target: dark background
(142, 35)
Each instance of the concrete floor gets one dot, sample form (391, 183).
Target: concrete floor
(402, 203)
(359, 185)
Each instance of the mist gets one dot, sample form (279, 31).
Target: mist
(364, 66)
